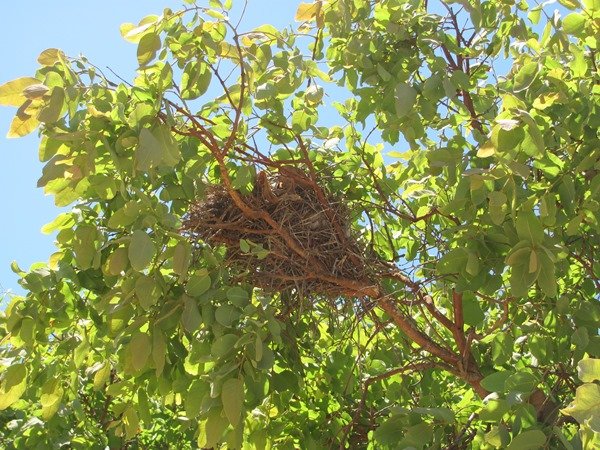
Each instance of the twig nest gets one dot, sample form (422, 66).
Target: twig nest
(318, 222)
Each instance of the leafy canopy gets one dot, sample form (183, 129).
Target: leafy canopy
(462, 137)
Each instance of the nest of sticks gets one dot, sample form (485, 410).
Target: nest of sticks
(307, 246)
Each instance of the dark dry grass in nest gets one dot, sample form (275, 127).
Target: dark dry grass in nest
(293, 203)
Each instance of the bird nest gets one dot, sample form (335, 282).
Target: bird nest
(288, 234)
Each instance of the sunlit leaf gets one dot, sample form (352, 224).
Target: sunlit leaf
(232, 395)
(12, 385)
(140, 348)
(11, 93)
(141, 250)
(588, 370)
(51, 56)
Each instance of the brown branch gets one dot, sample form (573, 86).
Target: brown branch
(413, 366)
(408, 327)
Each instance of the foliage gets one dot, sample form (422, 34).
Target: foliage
(465, 147)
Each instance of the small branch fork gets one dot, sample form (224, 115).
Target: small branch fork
(463, 64)
(411, 367)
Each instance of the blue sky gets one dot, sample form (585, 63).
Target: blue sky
(76, 27)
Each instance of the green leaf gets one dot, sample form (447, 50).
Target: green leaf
(529, 227)
(52, 111)
(23, 123)
(11, 93)
(588, 370)
(472, 312)
(495, 382)
(117, 261)
(453, 262)
(181, 258)
(226, 315)
(238, 296)
(140, 348)
(534, 133)
(528, 440)
(223, 345)
(50, 398)
(502, 348)
(586, 405)
(444, 414)
(51, 56)
(190, 317)
(12, 385)
(198, 283)
(148, 46)
(133, 33)
(27, 331)
(547, 276)
(149, 151)
(391, 431)
(525, 76)
(147, 291)
(159, 351)
(169, 149)
(101, 376)
(580, 338)
(143, 406)
(405, 97)
(497, 207)
(84, 245)
(486, 150)
(193, 400)
(131, 422)
(521, 382)
(571, 4)
(520, 277)
(141, 250)
(574, 23)
(232, 396)
(592, 6)
(494, 409)
(307, 11)
(195, 79)
(211, 430)
(498, 436)
(417, 436)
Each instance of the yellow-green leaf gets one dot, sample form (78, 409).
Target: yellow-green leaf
(141, 250)
(11, 93)
(101, 376)
(13, 385)
(586, 405)
(533, 261)
(133, 33)
(307, 11)
(51, 56)
(159, 350)
(52, 393)
(405, 96)
(22, 124)
(232, 396)
(51, 112)
(140, 347)
(486, 150)
(131, 423)
(181, 258)
(588, 370)
(528, 440)
(147, 48)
